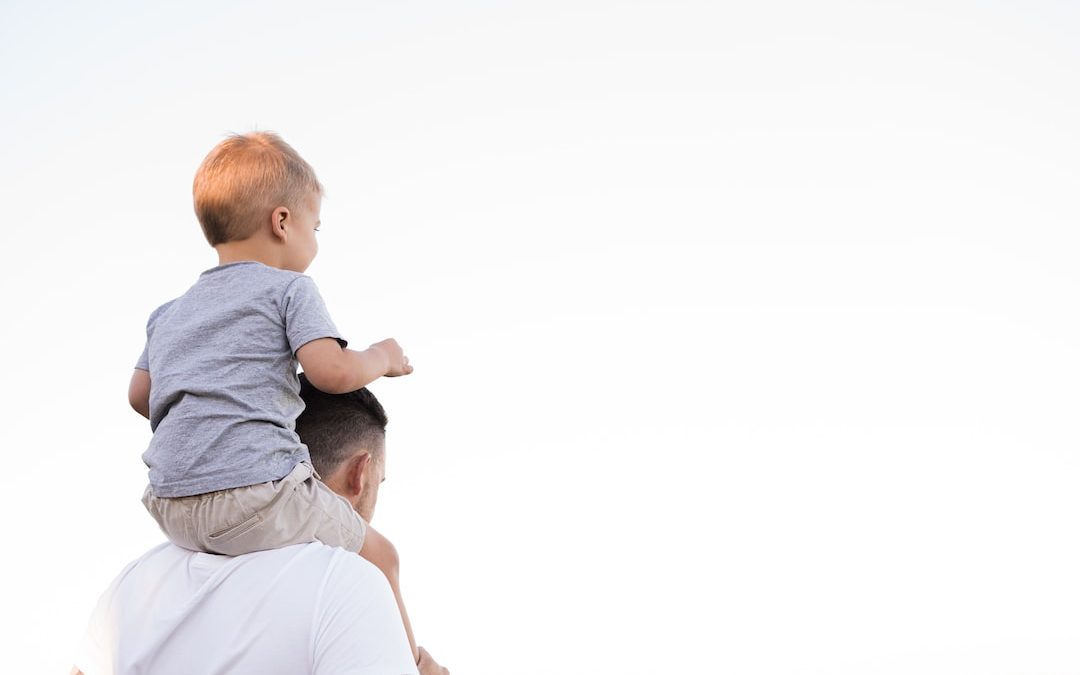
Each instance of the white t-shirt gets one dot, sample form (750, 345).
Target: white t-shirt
(309, 608)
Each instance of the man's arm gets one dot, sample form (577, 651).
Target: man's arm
(336, 370)
(379, 551)
(426, 665)
(139, 392)
(358, 628)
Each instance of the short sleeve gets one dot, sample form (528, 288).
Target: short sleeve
(358, 628)
(306, 317)
(93, 657)
(95, 654)
(144, 359)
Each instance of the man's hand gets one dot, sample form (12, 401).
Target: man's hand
(397, 362)
(427, 666)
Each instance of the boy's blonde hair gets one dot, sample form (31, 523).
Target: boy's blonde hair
(243, 178)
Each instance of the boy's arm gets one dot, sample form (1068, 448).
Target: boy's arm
(379, 551)
(139, 392)
(336, 370)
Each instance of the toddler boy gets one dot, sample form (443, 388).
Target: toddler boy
(217, 378)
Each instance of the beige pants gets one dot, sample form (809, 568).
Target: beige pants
(294, 510)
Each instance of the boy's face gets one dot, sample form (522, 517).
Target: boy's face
(302, 245)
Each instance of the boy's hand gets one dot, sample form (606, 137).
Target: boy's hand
(397, 362)
(337, 371)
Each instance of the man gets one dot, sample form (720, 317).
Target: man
(308, 608)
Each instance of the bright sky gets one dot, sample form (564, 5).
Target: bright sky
(746, 333)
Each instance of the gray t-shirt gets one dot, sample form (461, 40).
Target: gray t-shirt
(224, 395)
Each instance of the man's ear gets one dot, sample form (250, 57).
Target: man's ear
(355, 476)
(279, 222)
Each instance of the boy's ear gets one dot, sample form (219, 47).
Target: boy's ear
(279, 221)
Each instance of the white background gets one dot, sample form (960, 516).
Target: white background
(745, 333)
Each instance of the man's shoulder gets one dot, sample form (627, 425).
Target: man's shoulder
(167, 568)
(314, 556)
(312, 551)
(304, 592)
(327, 574)
(333, 561)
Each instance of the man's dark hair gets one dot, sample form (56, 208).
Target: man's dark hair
(332, 425)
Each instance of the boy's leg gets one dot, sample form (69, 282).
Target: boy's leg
(379, 551)
(173, 516)
(226, 522)
(294, 510)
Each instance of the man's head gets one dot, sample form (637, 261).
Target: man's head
(246, 180)
(346, 437)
